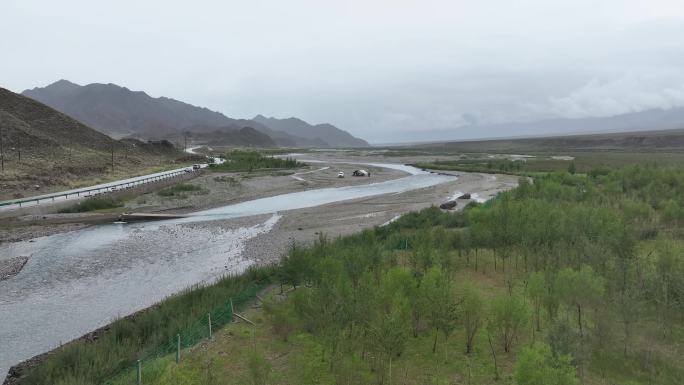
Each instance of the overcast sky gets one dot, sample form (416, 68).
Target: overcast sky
(382, 70)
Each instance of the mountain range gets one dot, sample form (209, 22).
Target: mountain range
(120, 112)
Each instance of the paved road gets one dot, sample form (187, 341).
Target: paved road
(79, 193)
(47, 199)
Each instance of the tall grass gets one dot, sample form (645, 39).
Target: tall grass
(179, 190)
(93, 204)
(140, 335)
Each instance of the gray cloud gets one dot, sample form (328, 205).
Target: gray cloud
(378, 69)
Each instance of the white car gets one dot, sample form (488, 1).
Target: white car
(340, 174)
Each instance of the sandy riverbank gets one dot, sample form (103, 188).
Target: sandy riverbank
(217, 189)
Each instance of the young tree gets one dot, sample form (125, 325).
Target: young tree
(536, 365)
(389, 331)
(472, 312)
(438, 302)
(536, 290)
(579, 289)
(259, 368)
(295, 266)
(508, 316)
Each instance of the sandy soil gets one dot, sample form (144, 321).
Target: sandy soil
(218, 189)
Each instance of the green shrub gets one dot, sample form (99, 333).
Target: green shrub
(238, 160)
(179, 190)
(93, 204)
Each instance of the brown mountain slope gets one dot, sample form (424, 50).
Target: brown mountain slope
(43, 147)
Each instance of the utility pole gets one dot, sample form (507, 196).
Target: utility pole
(185, 146)
(112, 155)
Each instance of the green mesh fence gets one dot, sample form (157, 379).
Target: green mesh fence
(192, 334)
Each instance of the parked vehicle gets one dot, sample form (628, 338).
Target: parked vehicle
(340, 174)
(196, 166)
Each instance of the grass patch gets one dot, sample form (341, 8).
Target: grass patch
(181, 190)
(539, 163)
(93, 204)
(230, 180)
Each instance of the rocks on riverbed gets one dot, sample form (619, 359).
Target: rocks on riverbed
(11, 267)
(450, 205)
(464, 196)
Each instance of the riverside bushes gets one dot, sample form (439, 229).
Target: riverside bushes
(92, 204)
(566, 260)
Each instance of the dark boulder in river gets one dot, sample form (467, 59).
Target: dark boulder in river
(450, 205)
(465, 196)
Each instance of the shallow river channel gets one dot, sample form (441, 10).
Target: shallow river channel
(78, 281)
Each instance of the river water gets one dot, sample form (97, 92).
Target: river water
(78, 281)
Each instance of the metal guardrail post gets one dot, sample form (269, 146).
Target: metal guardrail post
(139, 377)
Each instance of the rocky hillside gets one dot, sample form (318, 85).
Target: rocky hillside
(43, 147)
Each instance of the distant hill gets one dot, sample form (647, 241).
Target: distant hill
(47, 148)
(326, 134)
(638, 141)
(223, 136)
(120, 112)
(649, 120)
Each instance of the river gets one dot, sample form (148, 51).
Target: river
(78, 281)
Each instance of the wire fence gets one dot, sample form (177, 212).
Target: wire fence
(191, 335)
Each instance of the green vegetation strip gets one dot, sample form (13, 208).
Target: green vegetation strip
(180, 190)
(572, 278)
(93, 204)
(149, 334)
(239, 160)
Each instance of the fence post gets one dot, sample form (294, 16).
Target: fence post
(139, 373)
(177, 348)
(232, 311)
(209, 316)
